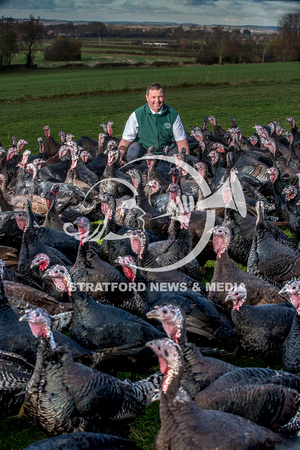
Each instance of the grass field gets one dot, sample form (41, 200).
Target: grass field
(79, 100)
(114, 51)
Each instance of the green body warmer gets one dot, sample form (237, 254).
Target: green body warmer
(156, 129)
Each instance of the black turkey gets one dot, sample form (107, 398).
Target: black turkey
(185, 426)
(84, 440)
(269, 259)
(291, 345)
(15, 372)
(117, 335)
(227, 274)
(16, 337)
(64, 396)
(262, 328)
(199, 370)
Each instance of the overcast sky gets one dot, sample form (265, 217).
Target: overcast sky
(201, 12)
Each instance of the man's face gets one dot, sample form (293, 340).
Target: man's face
(155, 100)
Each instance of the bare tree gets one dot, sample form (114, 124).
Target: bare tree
(289, 37)
(8, 40)
(221, 40)
(31, 32)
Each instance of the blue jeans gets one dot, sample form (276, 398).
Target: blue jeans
(136, 150)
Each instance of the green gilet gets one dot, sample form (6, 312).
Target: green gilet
(156, 129)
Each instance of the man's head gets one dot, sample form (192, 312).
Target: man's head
(155, 96)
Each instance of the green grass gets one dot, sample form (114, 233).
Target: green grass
(110, 51)
(78, 101)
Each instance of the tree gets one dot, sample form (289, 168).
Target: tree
(246, 34)
(221, 41)
(8, 40)
(289, 37)
(64, 49)
(31, 32)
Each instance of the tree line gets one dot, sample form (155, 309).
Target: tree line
(215, 45)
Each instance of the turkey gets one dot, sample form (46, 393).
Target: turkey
(107, 128)
(269, 259)
(281, 156)
(16, 337)
(33, 245)
(136, 304)
(291, 345)
(267, 405)
(51, 147)
(227, 274)
(155, 196)
(218, 131)
(98, 163)
(263, 328)
(295, 130)
(61, 242)
(11, 200)
(15, 372)
(153, 174)
(99, 278)
(112, 248)
(199, 370)
(117, 334)
(52, 218)
(83, 440)
(292, 205)
(64, 396)
(242, 229)
(41, 261)
(109, 180)
(13, 158)
(149, 219)
(20, 296)
(178, 246)
(185, 426)
(204, 319)
(279, 183)
(56, 172)
(153, 271)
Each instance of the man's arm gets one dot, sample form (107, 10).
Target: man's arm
(123, 147)
(183, 144)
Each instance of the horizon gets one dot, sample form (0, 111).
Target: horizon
(263, 13)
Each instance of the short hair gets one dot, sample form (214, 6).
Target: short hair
(154, 87)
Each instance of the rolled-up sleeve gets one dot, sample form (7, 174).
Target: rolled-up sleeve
(131, 128)
(178, 130)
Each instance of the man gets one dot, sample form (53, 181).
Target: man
(155, 124)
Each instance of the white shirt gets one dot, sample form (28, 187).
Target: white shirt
(132, 127)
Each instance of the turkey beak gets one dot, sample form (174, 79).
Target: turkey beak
(228, 298)
(150, 344)
(47, 274)
(284, 292)
(152, 314)
(24, 317)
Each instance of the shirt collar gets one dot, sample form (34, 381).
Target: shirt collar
(159, 112)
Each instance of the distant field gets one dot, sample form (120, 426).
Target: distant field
(114, 51)
(79, 100)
